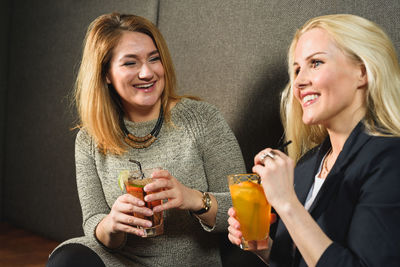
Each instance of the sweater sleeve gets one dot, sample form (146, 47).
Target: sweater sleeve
(91, 195)
(373, 238)
(221, 156)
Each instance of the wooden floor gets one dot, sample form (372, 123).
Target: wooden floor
(22, 248)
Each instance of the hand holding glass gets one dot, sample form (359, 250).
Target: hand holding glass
(133, 183)
(251, 206)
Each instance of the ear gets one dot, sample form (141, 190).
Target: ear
(363, 77)
(108, 79)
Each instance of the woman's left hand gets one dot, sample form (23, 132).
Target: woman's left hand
(277, 176)
(168, 187)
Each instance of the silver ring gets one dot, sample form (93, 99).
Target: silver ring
(268, 154)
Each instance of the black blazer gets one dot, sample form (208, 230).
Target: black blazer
(358, 206)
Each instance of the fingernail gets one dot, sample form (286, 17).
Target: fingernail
(141, 203)
(148, 224)
(156, 209)
(142, 233)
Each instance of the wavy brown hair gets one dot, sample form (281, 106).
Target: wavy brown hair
(98, 104)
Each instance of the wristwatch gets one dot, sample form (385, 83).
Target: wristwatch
(206, 203)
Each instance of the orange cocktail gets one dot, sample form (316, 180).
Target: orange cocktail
(251, 206)
(134, 184)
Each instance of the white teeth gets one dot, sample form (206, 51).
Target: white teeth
(144, 86)
(309, 98)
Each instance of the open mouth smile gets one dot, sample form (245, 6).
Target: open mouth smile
(144, 86)
(309, 99)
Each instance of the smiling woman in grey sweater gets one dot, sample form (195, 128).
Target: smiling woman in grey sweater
(125, 89)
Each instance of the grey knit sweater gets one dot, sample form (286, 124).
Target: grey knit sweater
(199, 150)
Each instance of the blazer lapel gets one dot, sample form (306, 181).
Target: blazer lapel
(353, 144)
(303, 182)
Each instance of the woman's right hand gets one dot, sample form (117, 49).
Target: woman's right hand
(112, 229)
(121, 217)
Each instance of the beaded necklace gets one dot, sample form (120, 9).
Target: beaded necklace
(145, 141)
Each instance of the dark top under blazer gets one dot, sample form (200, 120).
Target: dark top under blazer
(358, 206)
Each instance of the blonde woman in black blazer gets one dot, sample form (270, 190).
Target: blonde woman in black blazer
(337, 194)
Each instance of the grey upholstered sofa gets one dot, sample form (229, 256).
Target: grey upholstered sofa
(231, 53)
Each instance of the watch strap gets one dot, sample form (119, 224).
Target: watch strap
(206, 204)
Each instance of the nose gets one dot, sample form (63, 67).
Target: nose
(302, 79)
(145, 72)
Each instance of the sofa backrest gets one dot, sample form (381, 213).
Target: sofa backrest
(231, 53)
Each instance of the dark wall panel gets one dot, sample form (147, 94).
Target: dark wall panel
(4, 32)
(46, 39)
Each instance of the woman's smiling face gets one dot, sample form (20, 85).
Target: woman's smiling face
(136, 72)
(326, 82)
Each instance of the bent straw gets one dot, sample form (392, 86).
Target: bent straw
(140, 167)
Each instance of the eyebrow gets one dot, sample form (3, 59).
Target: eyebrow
(310, 56)
(135, 56)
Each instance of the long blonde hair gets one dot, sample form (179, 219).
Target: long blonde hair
(97, 103)
(365, 43)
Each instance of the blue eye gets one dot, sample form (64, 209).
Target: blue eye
(315, 63)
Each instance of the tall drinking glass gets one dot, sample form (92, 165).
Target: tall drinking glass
(251, 206)
(134, 183)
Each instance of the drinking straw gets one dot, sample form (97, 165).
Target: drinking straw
(140, 167)
(281, 147)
